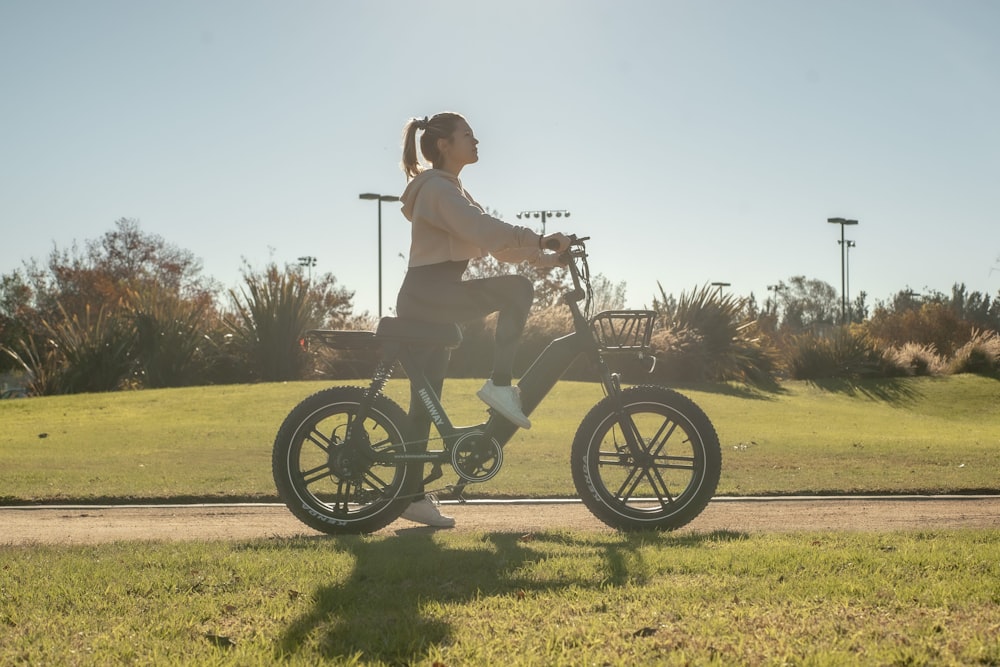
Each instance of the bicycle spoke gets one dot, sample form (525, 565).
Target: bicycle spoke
(659, 486)
(661, 437)
(383, 444)
(636, 480)
(319, 440)
(634, 477)
(674, 463)
(314, 475)
(376, 482)
(342, 500)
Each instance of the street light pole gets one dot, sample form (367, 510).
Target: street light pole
(843, 264)
(847, 279)
(379, 198)
(544, 215)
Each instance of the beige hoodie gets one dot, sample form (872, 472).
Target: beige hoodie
(449, 225)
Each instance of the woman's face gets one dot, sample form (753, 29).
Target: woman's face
(460, 148)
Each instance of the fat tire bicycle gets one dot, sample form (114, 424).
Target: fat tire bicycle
(644, 457)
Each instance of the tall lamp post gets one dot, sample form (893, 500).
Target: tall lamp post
(544, 215)
(843, 264)
(379, 198)
(847, 278)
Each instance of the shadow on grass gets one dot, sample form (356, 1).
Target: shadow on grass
(735, 390)
(394, 605)
(896, 391)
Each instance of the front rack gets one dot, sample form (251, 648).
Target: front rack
(623, 330)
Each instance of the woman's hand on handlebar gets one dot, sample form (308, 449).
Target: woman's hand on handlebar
(557, 242)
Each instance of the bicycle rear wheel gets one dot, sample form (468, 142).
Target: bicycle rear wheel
(340, 486)
(673, 476)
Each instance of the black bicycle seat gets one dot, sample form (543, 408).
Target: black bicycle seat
(417, 332)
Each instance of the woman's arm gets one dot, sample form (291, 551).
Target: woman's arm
(463, 218)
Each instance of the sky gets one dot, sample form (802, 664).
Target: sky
(694, 141)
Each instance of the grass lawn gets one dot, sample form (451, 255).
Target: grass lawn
(549, 598)
(925, 435)
(552, 598)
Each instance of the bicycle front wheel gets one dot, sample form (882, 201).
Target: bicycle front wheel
(337, 484)
(663, 485)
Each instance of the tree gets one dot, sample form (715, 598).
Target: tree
(124, 259)
(607, 295)
(807, 303)
(16, 315)
(976, 307)
(83, 307)
(859, 307)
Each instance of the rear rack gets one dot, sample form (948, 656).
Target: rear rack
(340, 339)
(623, 330)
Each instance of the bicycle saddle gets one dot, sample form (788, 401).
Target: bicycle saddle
(416, 332)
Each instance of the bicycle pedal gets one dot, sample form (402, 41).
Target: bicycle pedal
(457, 491)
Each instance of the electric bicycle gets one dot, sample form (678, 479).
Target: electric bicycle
(644, 457)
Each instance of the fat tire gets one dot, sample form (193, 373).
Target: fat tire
(672, 425)
(326, 502)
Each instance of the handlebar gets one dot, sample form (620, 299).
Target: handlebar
(577, 241)
(575, 259)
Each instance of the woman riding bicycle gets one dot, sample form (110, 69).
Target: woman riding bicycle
(449, 228)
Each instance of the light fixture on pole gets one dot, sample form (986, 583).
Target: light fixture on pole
(379, 198)
(719, 286)
(843, 264)
(308, 261)
(544, 215)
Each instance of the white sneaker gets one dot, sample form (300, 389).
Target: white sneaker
(426, 512)
(506, 401)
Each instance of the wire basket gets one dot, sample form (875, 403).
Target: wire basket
(623, 330)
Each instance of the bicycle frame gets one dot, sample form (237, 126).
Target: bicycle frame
(543, 374)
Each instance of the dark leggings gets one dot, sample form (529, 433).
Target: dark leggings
(437, 293)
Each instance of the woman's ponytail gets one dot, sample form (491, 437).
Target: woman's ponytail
(411, 165)
(439, 126)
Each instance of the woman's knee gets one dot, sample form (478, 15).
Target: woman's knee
(523, 291)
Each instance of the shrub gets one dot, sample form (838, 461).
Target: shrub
(170, 338)
(981, 355)
(38, 364)
(273, 311)
(931, 324)
(846, 355)
(542, 328)
(78, 355)
(915, 359)
(705, 337)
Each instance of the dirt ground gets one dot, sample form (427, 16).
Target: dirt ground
(92, 525)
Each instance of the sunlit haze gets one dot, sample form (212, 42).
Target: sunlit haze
(695, 141)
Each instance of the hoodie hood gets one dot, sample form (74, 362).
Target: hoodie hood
(414, 187)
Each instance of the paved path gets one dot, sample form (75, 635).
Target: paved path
(91, 525)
